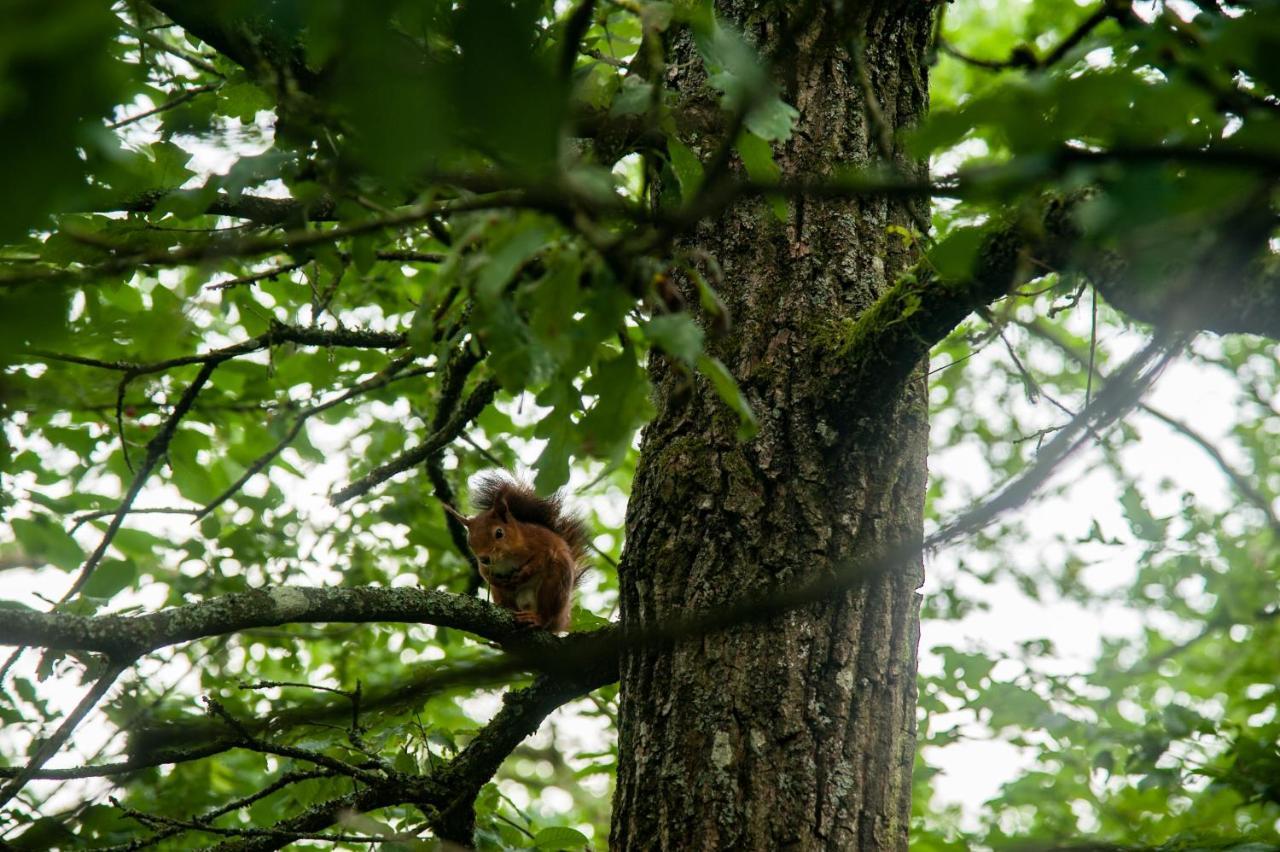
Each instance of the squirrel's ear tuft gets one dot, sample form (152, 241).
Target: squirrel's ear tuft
(501, 508)
(458, 516)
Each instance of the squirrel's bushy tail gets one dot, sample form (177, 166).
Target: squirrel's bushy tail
(528, 507)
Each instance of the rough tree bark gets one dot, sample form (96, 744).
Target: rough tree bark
(798, 733)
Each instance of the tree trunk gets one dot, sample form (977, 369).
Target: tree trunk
(798, 733)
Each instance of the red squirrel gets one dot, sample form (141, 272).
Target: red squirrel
(530, 549)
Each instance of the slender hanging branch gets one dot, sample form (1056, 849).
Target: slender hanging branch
(51, 746)
(1242, 482)
(156, 449)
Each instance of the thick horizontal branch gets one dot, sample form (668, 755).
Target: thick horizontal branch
(590, 659)
(277, 334)
(890, 339)
(124, 767)
(255, 208)
(291, 241)
(260, 45)
(594, 655)
(127, 637)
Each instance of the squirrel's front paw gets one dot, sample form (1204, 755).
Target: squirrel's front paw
(529, 618)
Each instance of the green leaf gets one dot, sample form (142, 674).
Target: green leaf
(727, 388)
(622, 405)
(243, 101)
(634, 97)
(553, 462)
(757, 157)
(735, 69)
(559, 838)
(111, 576)
(676, 334)
(522, 244)
(1144, 525)
(687, 167)
(585, 619)
(773, 120)
(552, 319)
(954, 256)
(42, 538)
(170, 164)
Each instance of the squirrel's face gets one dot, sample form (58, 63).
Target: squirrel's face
(498, 543)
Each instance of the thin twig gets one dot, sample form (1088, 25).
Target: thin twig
(463, 360)
(280, 684)
(195, 60)
(382, 378)
(176, 827)
(121, 388)
(214, 648)
(80, 520)
(1024, 57)
(464, 414)
(1246, 488)
(247, 740)
(1242, 482)
(1093, 347)
(485, 452)
(278, 333)
(152, 820)
(255, 277)
(177, 100)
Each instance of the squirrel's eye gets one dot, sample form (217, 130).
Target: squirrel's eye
(498, 533)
